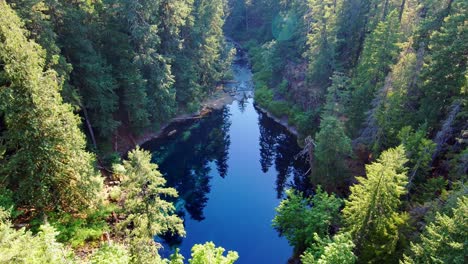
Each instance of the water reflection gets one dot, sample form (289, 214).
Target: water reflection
(185, 156)
(231, 170)
(280, 147)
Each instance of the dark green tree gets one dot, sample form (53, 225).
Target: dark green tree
(46, 165)
(299, 218)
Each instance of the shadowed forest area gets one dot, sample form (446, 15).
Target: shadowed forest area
(375, 91)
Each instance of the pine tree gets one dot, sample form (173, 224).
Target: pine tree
(41, 248)
(46, 164)
(322, 39)
(371, 212)
(380, 49)
(332, 147)
(148, 213)
(337, 250)
(444, 73)
(444, 240)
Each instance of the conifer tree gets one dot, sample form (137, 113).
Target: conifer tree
(444, 73)
(337, 250)
(148, 213)
(209, 253)
(46, 165)
(322, 39)
(444, 240)
(380, 49)
(332, 147)
(371, 212)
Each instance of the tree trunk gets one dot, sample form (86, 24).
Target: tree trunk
(90, 127)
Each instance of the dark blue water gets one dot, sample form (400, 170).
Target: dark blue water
(231, 169)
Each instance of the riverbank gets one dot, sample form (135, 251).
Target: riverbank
(284, 121)
(126, 141)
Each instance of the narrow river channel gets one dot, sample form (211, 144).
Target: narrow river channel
(231, 169)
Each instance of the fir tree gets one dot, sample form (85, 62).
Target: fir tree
(46, 165)
(371, 212)
(444, 240)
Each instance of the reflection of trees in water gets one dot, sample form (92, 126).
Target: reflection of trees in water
(280, 147)
(185, 159)
(243, 103)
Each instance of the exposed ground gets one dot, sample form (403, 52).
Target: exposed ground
(126, 140)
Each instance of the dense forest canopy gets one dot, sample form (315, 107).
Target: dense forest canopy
(376, 88)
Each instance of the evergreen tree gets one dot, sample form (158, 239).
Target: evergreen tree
(444, 73)
(110, 254)
(322, 39)
(41, 248)
(338, 250)
(419, 151)
(380, 49)
(209, 253)
(371, 212)
(444, 240)
(332, 147)
(148, 214)
(46, 164)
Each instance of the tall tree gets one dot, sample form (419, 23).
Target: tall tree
(148, 214)
(46, 163)
(332, 147)
(444, 240)
(380, 49)
(209, 253)
(371, 212)
(322, 39)
(444, 73)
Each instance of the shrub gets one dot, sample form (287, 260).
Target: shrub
(279, 108)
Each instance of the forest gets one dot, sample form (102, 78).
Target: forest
(376, 90)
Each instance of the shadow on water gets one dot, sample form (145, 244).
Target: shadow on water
(231, 169)
(184, 159)
(279, 148)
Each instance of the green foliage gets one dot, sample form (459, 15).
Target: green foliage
(444, 72)
(338, 250)
(144, 189)
(304, 121)
(279, 108)
(148, 214)
(419, 152)
(208, 253)
(7, 202)
(332, 147)
(298, 218)
(263, 96)
(371, 213)
(80, 231)
(46, 166)
(20, 246)
(338, 95)
(110, 254)
(444, 240)
(380, 50)
(322, 40)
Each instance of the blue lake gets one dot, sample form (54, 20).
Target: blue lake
(231, 169)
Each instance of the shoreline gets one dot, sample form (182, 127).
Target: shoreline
(282, 121)
(215, 102)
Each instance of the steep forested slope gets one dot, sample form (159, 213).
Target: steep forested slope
(359, 78)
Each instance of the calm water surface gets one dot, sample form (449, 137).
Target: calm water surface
(231, 169)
